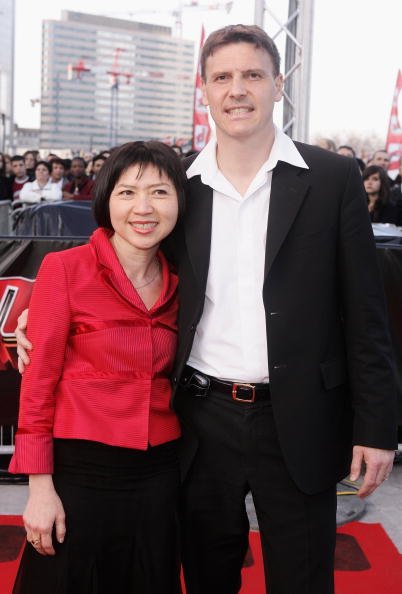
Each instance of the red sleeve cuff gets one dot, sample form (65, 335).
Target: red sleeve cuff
(33, 454)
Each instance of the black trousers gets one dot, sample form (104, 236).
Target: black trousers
(237, 452)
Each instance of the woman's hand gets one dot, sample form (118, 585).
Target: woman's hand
(23, 344)
(44, 508)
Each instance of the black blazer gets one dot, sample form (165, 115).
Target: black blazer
(329, 353)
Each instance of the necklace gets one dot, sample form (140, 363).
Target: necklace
(152, 279)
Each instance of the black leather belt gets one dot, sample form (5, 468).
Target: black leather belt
(201, 383)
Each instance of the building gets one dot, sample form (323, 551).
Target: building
(106, 81)
(7, 29)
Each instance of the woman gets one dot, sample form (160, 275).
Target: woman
(41, 189)
(382, 205)
(95, 398)
(5, 181)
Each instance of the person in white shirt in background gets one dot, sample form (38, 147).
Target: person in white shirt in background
(42, 188)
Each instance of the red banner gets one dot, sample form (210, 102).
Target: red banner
(201, 129)
(394, 138)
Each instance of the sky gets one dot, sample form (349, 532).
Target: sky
(357, 51)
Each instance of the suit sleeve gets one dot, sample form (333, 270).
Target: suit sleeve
(48, 328)
(369, 351)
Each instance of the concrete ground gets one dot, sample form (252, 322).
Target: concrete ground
(384, 506)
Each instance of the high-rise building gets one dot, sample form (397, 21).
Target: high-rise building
(7, 20)
(106, 81)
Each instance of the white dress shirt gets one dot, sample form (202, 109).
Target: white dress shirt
(32, 192)
(230, 341)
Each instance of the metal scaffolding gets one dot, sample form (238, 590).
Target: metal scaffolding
(298, 29)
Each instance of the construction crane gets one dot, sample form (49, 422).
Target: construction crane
(115, 73)
(176, 13)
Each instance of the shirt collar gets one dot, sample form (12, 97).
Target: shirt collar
(283, 149)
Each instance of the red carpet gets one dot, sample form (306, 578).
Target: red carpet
(366, 562)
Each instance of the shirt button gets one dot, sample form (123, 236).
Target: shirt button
(280, 366)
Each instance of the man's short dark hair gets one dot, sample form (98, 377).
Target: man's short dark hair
(237, 34)
(56, 161)
(81, 159)
(17, 158)
(45, 164)
(140, 153)
(348, 148)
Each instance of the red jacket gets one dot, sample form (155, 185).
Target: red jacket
(82, 191)
(101, 361)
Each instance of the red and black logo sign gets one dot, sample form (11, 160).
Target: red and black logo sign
(15, 293)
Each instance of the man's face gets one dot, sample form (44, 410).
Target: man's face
(77, 168)
(381, 158)
(57, 172)
(18, 168)
(241, 90)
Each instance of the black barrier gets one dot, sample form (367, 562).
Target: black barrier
(72, 218)
(389, 255)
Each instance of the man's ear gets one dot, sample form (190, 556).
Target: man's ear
(279, 84)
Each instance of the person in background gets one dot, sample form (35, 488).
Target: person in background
(97, 162)
(326, 143)
(81, 186)
(383, 205)
(8, 172)
(5, 182)
(30, 159)
(42, 189)
(96, 433)
(57, 172)
(20, 175)
(380, 158)
(346, 151)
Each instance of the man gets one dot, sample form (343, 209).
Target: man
(381, 158)
(281, 335)
(286, 310)
(57, 174)
(97, 163)
(346, 151)
(80, 187)
(20, 175)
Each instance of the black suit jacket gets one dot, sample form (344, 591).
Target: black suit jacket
(329, 353)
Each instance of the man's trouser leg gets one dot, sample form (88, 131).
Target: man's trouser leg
(238, 451)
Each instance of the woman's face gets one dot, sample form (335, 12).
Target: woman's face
(143, 209)
(7, 165)
(372, 184)
(42, 174)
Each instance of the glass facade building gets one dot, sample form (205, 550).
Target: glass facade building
(107, 81)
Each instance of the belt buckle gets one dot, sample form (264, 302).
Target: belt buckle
(235, 396)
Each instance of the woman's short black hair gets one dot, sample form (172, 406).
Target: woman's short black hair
(141, 153)
(45, 164)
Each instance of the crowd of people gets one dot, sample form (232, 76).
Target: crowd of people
(27, 179)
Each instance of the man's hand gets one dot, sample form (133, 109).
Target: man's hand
(378, 467)
(23, 344)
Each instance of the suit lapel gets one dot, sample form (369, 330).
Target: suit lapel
(289, 187)
(198, 226)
